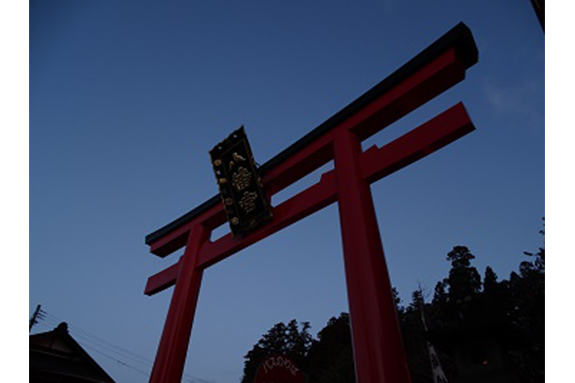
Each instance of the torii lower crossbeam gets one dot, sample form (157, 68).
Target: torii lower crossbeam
(377, 347)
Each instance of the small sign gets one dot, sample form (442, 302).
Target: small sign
(241, 188)
(279, 369)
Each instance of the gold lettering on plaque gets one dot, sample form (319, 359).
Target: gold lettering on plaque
(241, 179)
(247, 201)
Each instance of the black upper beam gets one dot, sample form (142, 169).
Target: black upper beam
(459, 37)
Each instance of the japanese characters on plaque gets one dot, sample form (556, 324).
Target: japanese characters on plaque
(241, 188)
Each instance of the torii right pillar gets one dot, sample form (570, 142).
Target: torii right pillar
(377, 345)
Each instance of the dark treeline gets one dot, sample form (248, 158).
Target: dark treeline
(482, 329)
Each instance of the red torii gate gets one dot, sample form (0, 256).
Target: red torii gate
(377, 346)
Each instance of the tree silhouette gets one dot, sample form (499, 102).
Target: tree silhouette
(490, 281)
(331, 356)
(280, 339)
(415, 339)
(465, 312)
(464, 281)
(527, 311)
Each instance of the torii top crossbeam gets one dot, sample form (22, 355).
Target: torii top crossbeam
(378, 352)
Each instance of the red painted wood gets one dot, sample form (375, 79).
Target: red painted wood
(428, 82)
(290, 211)
(177, 239)
(171, 355)
(298, 207)
(416, 144)
(377, 347)
(432, 79)
(375, 163)
(378, 351)
(163, 280)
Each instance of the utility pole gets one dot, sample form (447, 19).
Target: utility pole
(34, 316)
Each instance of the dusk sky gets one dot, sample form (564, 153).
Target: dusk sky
(128, 97)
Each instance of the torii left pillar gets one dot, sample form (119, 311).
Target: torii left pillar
(169, 364)
(377, 347)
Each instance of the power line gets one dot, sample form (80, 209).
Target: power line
(45, 321)
(114, 359)
(79, 331)
(85, 339)
(102, 343)
(111, 347)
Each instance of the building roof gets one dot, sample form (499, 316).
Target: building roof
(56, 357)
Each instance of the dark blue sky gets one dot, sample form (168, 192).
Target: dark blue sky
(128, 97)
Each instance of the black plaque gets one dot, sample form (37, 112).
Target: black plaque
(241, 188)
